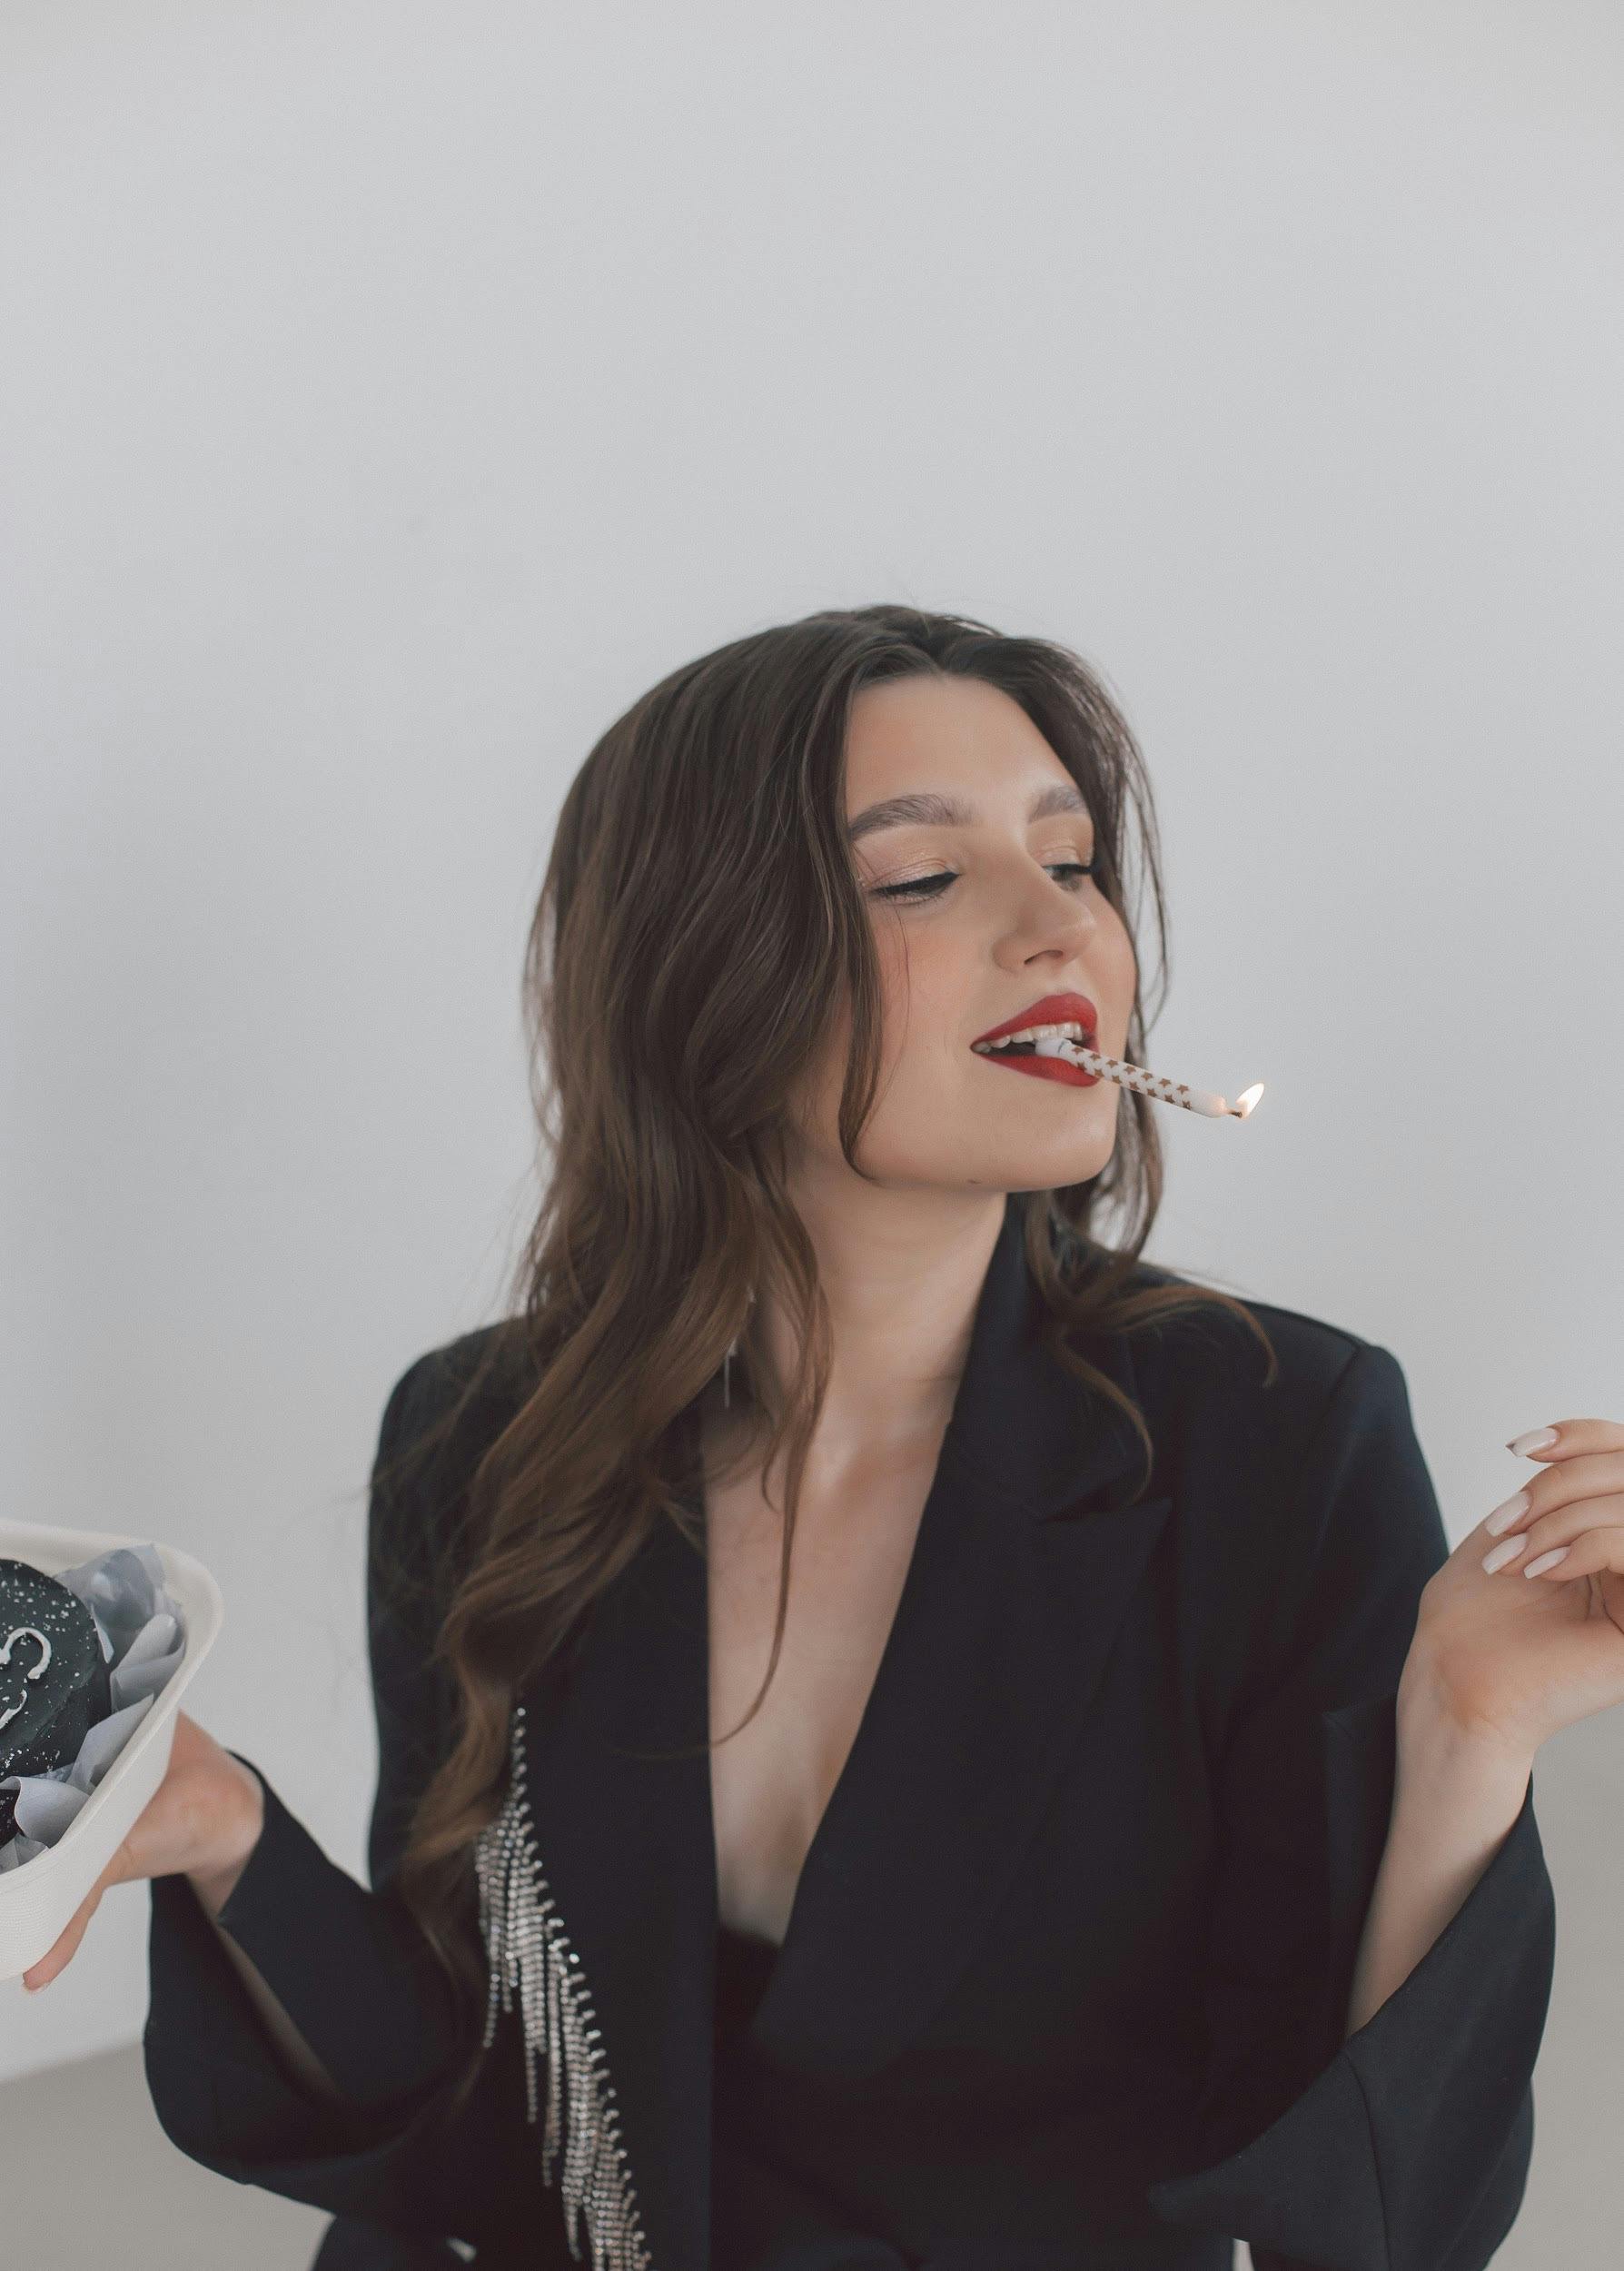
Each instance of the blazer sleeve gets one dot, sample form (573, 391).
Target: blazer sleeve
(1405, 2147)
(348, 1965)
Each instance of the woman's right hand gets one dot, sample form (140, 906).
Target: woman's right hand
(203, 1822)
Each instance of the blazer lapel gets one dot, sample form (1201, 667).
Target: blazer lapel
(1028, 1555)
(624, 1842)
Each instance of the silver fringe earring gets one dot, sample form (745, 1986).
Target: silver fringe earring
(728, 1359)
(529, 1950)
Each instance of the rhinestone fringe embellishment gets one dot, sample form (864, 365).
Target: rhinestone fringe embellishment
(530, 1951)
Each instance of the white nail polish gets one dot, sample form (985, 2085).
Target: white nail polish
(1535, 1439)
(1500, 1519)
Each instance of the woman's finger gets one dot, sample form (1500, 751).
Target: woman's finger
(1574, 1437)
(117, 1869)
(1534, 1534)
(1591, 1479)
(1592, 1553)
(57, 1957)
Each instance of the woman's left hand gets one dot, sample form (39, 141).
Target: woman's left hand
(1516, 1658)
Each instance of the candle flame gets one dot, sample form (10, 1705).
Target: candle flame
(1248, 1097)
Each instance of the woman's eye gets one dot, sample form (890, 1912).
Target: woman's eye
(932, 887)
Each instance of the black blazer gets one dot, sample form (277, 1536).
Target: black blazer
(1066, 1973)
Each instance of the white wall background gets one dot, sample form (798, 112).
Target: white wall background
(392, 391)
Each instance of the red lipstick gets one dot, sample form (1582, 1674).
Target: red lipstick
(1051, 1009)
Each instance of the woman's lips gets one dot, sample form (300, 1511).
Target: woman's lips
(1056, 1009)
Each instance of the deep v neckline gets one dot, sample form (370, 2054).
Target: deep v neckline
(840, 1799)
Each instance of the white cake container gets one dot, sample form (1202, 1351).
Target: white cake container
(39, 1900)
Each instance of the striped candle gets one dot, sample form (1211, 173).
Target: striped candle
(1154, 1085)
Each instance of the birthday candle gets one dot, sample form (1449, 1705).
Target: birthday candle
(1164, 1091)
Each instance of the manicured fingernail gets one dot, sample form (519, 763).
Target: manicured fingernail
(1502, 1518)
(1547, 1561)
(1535, 1439)
(1502, 1554)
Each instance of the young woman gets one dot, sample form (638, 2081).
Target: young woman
(908, 1735)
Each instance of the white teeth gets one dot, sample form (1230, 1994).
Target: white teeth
(1038, 1034)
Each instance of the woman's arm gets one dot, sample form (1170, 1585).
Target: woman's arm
(1403, 2142)
(300, 2034)
(1454, 1806)
(214, 1889)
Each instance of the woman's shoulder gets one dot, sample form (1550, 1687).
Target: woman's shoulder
(476, 1375)
(1276, 1468)
(1210, 1353)
(442, 1415)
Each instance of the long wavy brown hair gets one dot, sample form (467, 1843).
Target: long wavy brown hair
(701, 910)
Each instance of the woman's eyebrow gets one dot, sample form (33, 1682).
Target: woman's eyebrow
(928, 809)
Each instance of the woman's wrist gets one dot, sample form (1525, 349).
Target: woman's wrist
(215, 1882)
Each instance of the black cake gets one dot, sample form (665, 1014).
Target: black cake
(53, 1684)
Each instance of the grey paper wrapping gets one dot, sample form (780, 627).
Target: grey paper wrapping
(143, 1637)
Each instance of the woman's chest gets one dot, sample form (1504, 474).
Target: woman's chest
(1058, 1825)
(771, 1782)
